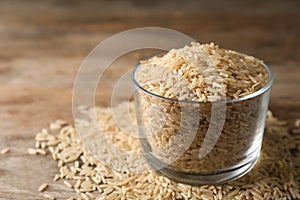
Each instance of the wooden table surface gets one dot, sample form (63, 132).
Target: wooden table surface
(42, 44)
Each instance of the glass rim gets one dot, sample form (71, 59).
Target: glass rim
(262, 90)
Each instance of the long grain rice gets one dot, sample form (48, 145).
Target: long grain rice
(268, 179)
(200, 73)
(5, 151)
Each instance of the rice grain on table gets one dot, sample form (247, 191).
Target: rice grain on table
(68, 184)
(275, 176)
(42, 187)
(5, 151)
(47, 196)
(31, 151)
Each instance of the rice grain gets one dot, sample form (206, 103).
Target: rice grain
(5, 151)
(47, 196)
(268, 179)
(43, 187)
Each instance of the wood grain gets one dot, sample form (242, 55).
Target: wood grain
(43, 43)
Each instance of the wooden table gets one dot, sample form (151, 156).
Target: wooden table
(42, 44)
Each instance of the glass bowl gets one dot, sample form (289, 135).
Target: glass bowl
(201, 142)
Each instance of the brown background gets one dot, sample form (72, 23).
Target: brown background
(42, 44)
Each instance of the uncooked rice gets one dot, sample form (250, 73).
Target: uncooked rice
(42, 187)
(5, 151)
(177, 130)
(275, 176)
(202, 73)
(47, 196)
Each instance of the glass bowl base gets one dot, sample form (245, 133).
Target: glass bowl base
(192, 178)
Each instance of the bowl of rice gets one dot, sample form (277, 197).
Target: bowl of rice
(201, 112)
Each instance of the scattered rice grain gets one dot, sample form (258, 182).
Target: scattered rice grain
(268, 179)
(43, 187)
(47, 196)
(68, 184)
(5, 151)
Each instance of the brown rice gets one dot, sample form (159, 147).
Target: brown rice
(276, 176)
(176, 129)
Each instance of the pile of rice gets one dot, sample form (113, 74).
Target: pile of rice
(275, 176)
(202, 73)
(177, 130)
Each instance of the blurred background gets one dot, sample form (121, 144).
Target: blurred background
(43, 43)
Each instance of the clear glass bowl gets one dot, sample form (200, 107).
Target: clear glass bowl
(201, 142)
